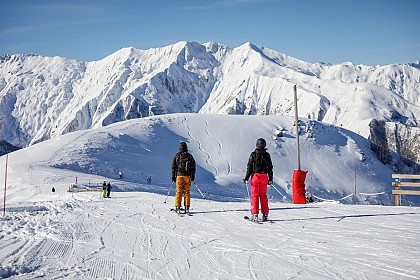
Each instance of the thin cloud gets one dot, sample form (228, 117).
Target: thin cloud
(46, 10)
(15, 30)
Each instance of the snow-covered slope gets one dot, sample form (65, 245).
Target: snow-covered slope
(43, 97)
(143, 149)
(133, 235)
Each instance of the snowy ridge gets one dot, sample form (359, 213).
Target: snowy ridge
(44, 97)
(221, 144)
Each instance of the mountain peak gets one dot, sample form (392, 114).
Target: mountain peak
(248, 45)
(47, 96)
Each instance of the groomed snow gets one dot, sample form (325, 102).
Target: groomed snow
(133, 235)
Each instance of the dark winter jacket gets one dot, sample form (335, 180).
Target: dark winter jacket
(263, 166)
(191, 166)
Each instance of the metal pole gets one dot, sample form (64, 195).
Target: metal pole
(277, 190)
(199, 190)
(172, 184)
(297, 127)
(249, 195)
(355, 190)
(5, 181)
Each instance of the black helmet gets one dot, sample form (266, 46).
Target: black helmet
(183, 147)
(261, 143)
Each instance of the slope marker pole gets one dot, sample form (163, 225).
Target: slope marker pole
(355, 190)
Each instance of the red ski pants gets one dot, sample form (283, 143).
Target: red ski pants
(259, 184)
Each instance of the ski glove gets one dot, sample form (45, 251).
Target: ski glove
(245, 180)
(173, 179)
(270, 182)
(192, 178)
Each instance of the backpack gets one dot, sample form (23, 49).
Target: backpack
(260, 163)
(184, 164)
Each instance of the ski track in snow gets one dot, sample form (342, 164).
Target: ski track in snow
(220, 147)
(135, 236)
(208, 154)
(200, 146)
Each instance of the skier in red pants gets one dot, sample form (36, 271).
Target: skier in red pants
(260, 169)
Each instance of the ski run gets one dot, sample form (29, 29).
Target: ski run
(134, 235)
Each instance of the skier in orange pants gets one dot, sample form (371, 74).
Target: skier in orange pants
(183, 172)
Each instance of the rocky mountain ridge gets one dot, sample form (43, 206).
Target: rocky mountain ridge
(44, 97)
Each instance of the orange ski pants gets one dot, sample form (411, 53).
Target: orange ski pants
(183, 187)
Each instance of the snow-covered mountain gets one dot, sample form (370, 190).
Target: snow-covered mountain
(44, 97)
(87, 122)
(142, 149)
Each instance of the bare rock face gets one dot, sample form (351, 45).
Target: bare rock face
(396, 144)
(6, 148)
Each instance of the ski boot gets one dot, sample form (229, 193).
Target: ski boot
(265, 217)
(187, 209)
(178, 210)
(254, 218)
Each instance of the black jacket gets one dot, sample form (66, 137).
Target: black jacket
(191, 169)
(265, 168)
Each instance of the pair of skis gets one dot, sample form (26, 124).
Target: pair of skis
(181, 213)
(259, 221)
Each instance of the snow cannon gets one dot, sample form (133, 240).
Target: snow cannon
(298, 186)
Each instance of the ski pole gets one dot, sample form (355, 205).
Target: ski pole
(277, 190)
(199, 190)
(245, 192)
(169, 192)
(247, 189)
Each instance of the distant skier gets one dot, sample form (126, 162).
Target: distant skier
(183, 172)
(260, 169)
(108, 190)
(104, 189)
(309, 198)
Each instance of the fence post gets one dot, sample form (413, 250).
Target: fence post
(397, 196)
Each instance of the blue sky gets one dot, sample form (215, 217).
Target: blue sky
(367, 32)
